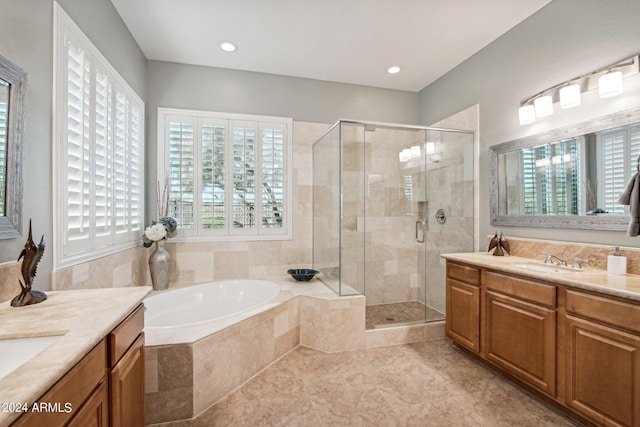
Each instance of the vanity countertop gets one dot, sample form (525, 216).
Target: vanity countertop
(85, 317)
(623, 286)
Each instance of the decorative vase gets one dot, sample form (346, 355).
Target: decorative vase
(160, 266)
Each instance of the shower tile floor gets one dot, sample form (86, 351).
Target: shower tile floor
(392, 314)
(421, 384)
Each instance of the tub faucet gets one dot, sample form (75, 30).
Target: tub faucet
(549, 259)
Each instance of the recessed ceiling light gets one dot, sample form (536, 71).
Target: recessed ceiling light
(227, 46)
(393, 70)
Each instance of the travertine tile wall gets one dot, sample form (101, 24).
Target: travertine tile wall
(596, 254)
(9, 276)
(199, 262)
(183, 380)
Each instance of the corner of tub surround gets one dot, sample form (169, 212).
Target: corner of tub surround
(122, 269)
(9, 276)
(595, 253)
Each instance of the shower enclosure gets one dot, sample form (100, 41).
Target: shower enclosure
(387, 201)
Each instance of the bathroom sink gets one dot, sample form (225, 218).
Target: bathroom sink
(545, 268)
(16, 351)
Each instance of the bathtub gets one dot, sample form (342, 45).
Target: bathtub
(206, 302)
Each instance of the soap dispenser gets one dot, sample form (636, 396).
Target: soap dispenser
(616, 264)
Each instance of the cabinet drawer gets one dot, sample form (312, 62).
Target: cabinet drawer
(121, 338)
(463, 273)
(71, 391)
(606, 310)
(528, 290)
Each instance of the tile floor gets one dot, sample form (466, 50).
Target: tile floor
(421, 384)
(381, 315)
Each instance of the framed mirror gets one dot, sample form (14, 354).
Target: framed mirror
(12, 92)
(570, 177)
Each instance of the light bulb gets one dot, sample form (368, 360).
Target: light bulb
(610, 84)
(570, 96)
(543, 106)
(527, 114)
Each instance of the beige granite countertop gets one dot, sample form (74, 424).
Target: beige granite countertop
(83, 316)
(624, 286)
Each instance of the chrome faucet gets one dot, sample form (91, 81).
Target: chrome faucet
(577, 261)
(549, 259)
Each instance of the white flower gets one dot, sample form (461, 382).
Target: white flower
(155, 232)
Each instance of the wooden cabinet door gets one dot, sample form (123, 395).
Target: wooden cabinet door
(463, 314)
(603, 373)
(521, 338)
(126, 381)
(95, 411)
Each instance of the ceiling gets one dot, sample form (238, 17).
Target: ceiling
(348, 41)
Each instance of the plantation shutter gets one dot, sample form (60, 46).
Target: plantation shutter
(229, 176)
(78, 150)
(212, 211)
(619, 151)
(99, 151)
(103, 167)
(136, 169)
(272, 174)
(244, 175)
(182, 162)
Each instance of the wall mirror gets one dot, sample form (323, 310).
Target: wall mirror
(570, 177)
(12, 91)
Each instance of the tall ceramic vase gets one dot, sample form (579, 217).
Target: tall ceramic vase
(160, 266)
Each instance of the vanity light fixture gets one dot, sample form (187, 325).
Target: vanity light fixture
(543, 106)
(570, 96)
(608, 80)
(610, 84)
(394, 69)
(527, 114)
(227, 46)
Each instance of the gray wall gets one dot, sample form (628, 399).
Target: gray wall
(193, 87)
(26, 28)
(564, 39)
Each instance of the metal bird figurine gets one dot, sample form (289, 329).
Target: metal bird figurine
(494, 242)
(505, 244)
(32, 254)
(500, 244)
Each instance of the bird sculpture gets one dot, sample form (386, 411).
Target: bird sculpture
(30, 255)
(500, 244)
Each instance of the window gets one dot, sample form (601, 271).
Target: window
(98, 152)
(619, 150)
(230, 174)
(552, 178)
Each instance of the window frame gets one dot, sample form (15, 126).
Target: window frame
(97, 243)
(203, 117)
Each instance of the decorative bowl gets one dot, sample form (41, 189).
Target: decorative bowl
(302, 274)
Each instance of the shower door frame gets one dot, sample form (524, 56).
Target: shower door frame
(386, 125)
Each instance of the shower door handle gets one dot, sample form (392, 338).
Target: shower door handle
(420, 225)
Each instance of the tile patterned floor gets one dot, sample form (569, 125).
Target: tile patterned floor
(421, 384)
(400, 313)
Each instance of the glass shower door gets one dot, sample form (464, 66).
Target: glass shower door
(395, 225)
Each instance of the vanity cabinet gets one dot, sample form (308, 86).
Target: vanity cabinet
(75, 398)
(519, 328)
(578, 350)
(462, 322)
(602, 370)
(127, 377)
(106, 388)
